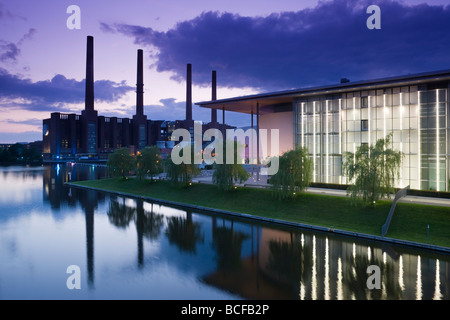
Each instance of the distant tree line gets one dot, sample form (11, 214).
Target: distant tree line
(20, 154)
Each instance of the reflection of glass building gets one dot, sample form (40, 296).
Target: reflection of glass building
(334, 119)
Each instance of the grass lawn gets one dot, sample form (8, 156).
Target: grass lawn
(409, 221)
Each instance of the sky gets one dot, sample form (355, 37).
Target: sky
(254, 45)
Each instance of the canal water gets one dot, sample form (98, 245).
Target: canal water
(133, 249)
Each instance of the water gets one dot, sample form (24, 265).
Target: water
(133, 249)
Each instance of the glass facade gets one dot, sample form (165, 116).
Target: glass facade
(417, 117)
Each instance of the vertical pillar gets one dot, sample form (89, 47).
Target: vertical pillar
(214, 96)
(189, 92)
(89, 98)
(251, 143)
(257, 141)
(223, 125)
(140, 84)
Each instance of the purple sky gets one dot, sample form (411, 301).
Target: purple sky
(255, 46)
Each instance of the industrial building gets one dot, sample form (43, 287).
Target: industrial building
(331, 120)
(92, 136)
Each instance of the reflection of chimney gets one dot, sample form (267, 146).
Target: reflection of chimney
(89, 99)
(140, 84)
(189, 92)
(214, 96)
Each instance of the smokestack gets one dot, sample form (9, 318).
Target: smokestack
(214, 96)
(89, 99)
(189, 93)
(140, 84)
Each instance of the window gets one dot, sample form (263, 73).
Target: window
(364, 125)
(364, 102)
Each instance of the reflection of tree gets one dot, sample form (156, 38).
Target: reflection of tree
(289, 262)
(228, 246)
(148, 223)
(355, 278)
(184, 233)
(119, 214)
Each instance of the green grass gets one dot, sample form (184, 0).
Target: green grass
(408, 223)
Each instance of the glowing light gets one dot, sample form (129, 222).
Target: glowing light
(327, 142)
(419, 280)
(418, 138)
(340, 134)
(303, 124)
(437, 140)
(437, 283)
(314, 141)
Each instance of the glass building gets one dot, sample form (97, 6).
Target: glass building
(332, 120)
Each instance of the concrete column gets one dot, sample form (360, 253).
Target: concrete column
(257, 141)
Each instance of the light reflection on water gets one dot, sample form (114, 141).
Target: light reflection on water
(134, 249)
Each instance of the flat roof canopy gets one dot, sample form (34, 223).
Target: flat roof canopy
(282, 100)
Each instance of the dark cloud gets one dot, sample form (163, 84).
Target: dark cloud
(48, 94)
(9, 51)
(314, 46)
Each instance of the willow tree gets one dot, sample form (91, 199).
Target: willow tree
(148, 162)
(372, 170)
(226, 175)
(120, 163)
(294, 173)
(181, 174)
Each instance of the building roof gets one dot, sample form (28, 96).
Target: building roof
(280, 100)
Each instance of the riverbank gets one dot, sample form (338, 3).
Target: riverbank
(322, 212)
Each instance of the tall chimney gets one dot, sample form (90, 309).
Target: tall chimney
(214, 96)
(89, 99)
(140, 84)
(189, 93)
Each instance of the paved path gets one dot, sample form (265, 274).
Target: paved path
(206, 177)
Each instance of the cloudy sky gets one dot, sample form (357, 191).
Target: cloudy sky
(255, 46)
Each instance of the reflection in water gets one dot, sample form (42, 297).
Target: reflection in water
(253, 261)
(184, 233)
(419, 280)
(437, 283)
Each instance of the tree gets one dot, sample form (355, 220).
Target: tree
(373, 171)
(181, 174)
(120, 163)
(5, 156)
(226, 175)
(148, 162)
(294, 173)
(16, 151)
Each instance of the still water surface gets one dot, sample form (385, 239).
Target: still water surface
(133, 249)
